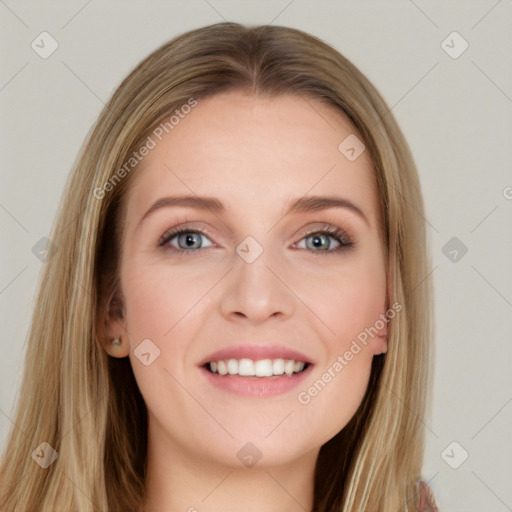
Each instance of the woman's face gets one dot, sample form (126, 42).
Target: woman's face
(252, 240)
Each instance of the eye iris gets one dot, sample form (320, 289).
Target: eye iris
(189, 241)
(318, 242)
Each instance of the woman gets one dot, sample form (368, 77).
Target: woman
(237, 315)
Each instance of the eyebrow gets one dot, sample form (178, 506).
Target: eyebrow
(301, 205)
(317, 203)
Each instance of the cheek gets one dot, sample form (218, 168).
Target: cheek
(354, 310)
(166, 307)
(330, 400)
(335, 393)
(169, 308)
(351, 301)
(159, 299)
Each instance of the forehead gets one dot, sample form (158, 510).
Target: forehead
(255, 153)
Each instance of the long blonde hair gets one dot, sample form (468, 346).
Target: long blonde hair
(87, 406)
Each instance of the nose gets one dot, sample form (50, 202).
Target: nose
(258, 291)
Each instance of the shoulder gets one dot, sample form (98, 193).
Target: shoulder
(425, 501)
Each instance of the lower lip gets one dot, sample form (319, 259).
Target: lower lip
(256, 386)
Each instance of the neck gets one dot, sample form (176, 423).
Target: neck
(177, 482)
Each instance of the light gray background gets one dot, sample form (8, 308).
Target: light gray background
(456, 114)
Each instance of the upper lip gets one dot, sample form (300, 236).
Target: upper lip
(256, 353)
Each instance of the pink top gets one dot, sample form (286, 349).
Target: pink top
(425, 501)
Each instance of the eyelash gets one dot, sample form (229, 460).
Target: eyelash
(338, 234)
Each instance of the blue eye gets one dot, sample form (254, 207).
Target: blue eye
(186, 240)
(329, 240)
(320, 241)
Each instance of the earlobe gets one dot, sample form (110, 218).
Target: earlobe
(114, 334)
(117, 348)
(380, 345)
(115, 340)
(381, 338)
(382, 326)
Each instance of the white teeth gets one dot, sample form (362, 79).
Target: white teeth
(298, 366)
(263, 368)
(260, 368)
(245, 367)
(288, 367)
(278, 366)
(221, 367)
(232, 366)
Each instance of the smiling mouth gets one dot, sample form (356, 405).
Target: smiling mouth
(256, 368)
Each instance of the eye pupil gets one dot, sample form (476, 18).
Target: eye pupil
(190, 241)
(319, 242)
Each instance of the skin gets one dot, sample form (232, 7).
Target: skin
(255, 155)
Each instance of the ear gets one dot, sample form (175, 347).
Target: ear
(382, 324)
(114, 336)
(380, 341)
